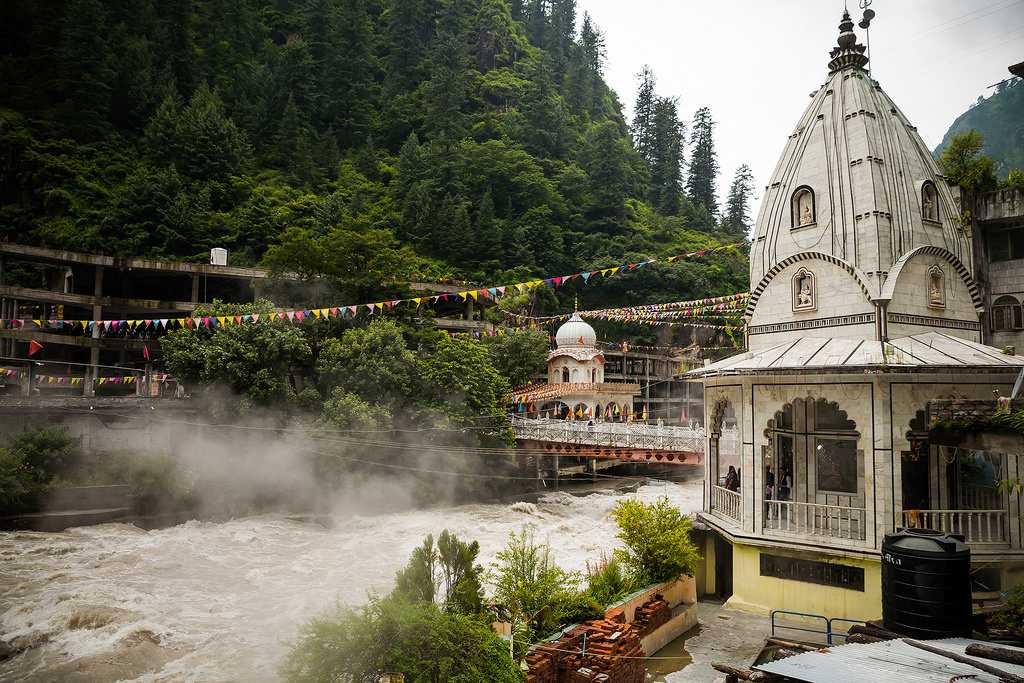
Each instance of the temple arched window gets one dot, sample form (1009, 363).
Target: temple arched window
(565, 375)
(936, 288)
(803, 209)
(929, 202)
(575, 375)
(804, 296)
(1006, 314)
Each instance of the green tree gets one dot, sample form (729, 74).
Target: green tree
(252, 359)
(445, 574)
(666, 157)
(347, 411)
(643, 116)
(461, 380)
(519, 355)
(418, 640)
(657, 540)
(703, 176)
(371, 362)
(737, 206)
(83, 59)
(964, 163)
(529, 586)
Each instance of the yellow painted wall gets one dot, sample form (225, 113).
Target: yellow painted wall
(756, 593)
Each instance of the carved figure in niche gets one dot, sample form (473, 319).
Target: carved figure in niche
(804, 207)
(936, 296)
(929, 208)
(803, 290)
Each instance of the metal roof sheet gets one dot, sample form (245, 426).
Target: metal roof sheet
(890, 660)
(919, 351)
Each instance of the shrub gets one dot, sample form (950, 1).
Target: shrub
(607, 583)
(416, 639)
(47, 453)
(657, 539)
(1012, 619)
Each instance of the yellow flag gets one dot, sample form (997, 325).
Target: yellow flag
(475, 294)
(463, 295)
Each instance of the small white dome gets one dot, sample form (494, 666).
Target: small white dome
(576, 332)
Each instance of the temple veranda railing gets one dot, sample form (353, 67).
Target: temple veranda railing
(814, 519)
(976, 526)
(727, 504)
(612, 434)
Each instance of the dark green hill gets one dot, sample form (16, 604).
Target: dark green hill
(1000, 119)
(458, 137)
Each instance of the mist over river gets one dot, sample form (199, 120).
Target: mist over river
(222, 601)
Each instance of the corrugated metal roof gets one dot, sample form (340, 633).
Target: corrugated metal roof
(890, 660)
(920, 351)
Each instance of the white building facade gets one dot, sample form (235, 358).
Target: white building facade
(863, 308)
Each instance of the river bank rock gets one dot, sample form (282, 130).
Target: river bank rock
(139, 653)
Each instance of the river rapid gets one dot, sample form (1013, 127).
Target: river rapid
(206, 601)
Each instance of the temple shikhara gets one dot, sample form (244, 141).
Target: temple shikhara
(866, 311)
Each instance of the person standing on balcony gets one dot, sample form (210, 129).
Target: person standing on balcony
(785, 485)
(732, 480)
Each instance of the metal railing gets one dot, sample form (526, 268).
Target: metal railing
(814, 519)
(617, 434)
(726, 503)
(829, 632)
(976, 526)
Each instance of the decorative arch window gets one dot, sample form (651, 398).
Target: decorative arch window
(813, 456)
(804, 297)
(575, 375)
(593, 376)
(1007, 314)
(803, 209)
(565, 375)
(929, 202)
(936, 288)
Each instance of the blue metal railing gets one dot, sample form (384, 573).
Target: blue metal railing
(828, 631)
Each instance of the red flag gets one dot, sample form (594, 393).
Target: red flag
(145, 351)
(34, 347)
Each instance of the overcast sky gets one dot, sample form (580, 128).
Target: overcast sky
(755, 62)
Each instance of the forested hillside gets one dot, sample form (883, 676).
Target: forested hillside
(1000, 120)
(356, 140)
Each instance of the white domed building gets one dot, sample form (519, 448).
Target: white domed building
(863, 308)
(576, 389)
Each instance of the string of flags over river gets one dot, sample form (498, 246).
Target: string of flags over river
(669, 314)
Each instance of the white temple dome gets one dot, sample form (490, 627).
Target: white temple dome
(576, 332)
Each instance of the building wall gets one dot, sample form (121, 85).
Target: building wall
(580, 372)
(837, 296)
(911, 312)
(761, 594)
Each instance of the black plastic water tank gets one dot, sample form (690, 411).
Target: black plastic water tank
(926, 584)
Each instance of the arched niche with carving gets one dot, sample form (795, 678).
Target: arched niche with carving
(804, 211)
(929, 202)
(805, 296)
(936, 287)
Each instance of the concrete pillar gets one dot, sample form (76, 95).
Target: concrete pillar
(89, 383)
(195, 288)
(469, 309)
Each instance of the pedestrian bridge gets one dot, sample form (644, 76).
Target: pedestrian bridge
(636, 441)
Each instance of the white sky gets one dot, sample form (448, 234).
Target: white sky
(755, 62)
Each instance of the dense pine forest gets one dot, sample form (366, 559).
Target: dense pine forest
(353, 140)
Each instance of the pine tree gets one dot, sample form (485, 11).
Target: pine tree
(643, 116)
(563, 34)
(86, 77)
(593, 55)
(666, 157)
(737, 206)
(487, 238)
(703, 177)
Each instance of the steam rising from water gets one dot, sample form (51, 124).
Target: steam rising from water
(225, 599)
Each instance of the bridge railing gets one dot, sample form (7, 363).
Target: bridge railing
(611, 434)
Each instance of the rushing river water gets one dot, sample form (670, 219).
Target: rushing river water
(221, 601)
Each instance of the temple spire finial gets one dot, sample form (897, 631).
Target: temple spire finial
(848, 51)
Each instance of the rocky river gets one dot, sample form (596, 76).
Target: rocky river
(221, 601)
